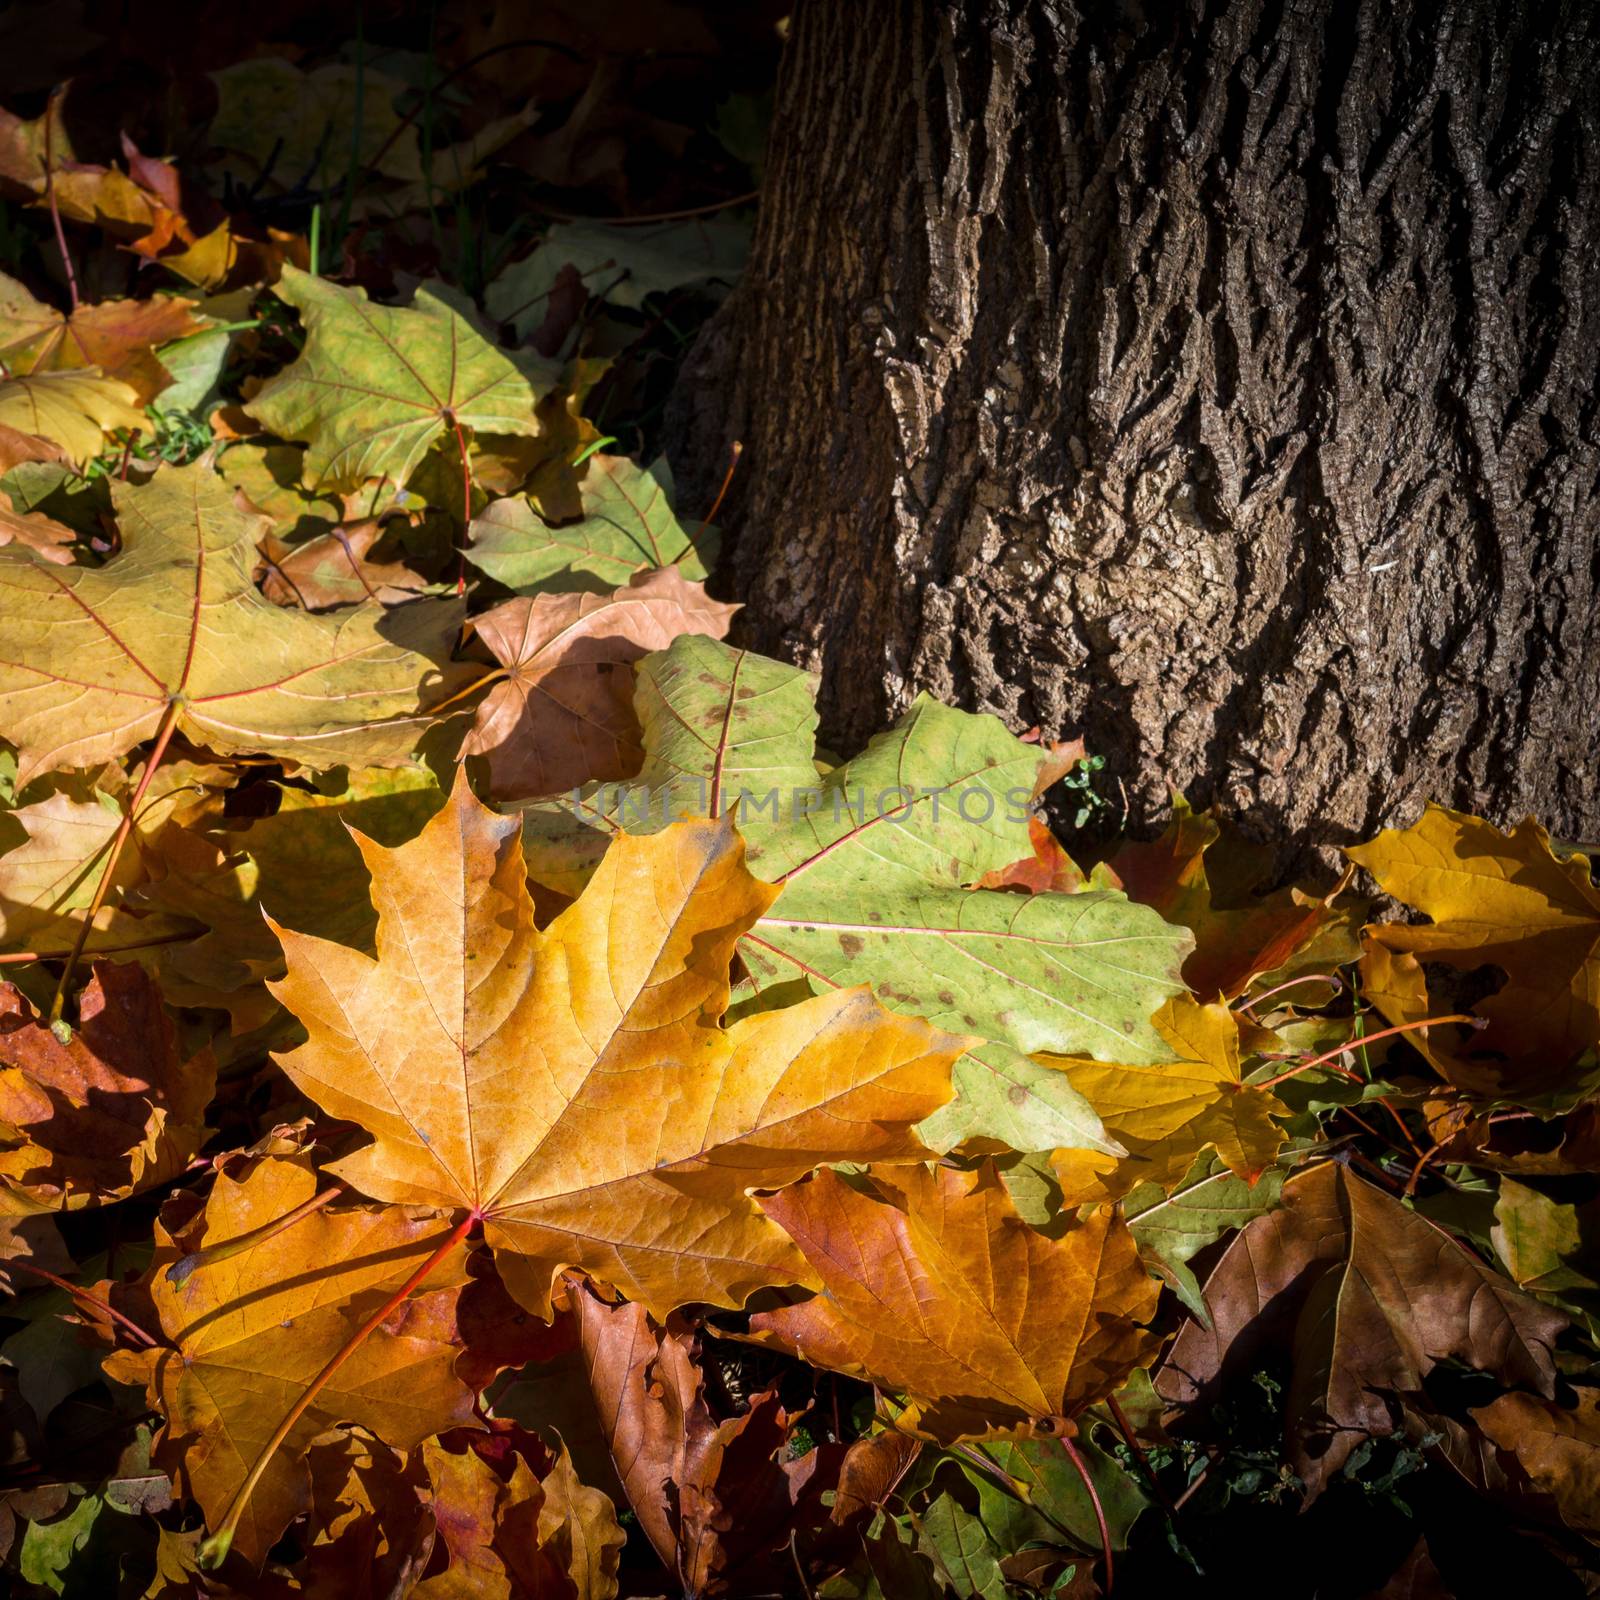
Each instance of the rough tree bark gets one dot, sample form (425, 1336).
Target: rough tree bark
(1213, 378)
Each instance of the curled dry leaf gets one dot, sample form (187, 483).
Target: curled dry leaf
(17, 447)
(1507, 901)
(97, 659)
(1233, 946)
(113, 1108)
(1558, 1446)
(574, 1088)
(713, 1497)
(1370, 1297)
(45, 536)
(515, 1524)
(1167, 1114)
(563, 715)
(934, 1286)
(335, 569)
(246, 1334)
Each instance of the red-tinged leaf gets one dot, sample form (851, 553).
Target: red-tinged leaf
(933, 1286)
(112, 1108)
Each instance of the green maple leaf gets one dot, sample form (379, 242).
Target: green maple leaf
(870, 897)
(627, 527)
(376, 386)
(94, 660)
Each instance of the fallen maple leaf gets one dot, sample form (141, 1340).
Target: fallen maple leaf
(118, 337)
(247, 1333)
(37, 160)
(299, 863)
(48, 877)
(376, 385)
(1558, 1446)
(369, 1534)
(1545, 1245)
(573, 1089)
(563, 715)
(1370, 1297)
(1167, 1114)
(935, 1287)
(114, 1108)
(1503, 900)
(1048, 870)
(173, 634)
(75, 410)
(876, 861)
(627, 527)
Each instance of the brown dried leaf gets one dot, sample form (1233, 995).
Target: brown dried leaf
(1371, 1297)
(564, 714)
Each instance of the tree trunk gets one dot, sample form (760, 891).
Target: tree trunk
(1214, 379)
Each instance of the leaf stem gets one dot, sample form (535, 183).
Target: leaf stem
(83, 1296)
(466, 506)
(1371, 1038)
(1076, 1458)
(214, 1551)
(1248, 1003)
(50, 199)
(182, 1269)
(169, 721)
(722, 493)
(471, 689)
(1131, 1439)
(656, 216)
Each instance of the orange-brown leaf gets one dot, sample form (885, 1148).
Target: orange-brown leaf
(1504, 900)
(934, 1286)
(717, 1497)
(117, 336)
(246, 1334)
(40, 533)
(1557, 1446)
(575, 1087)
(335, 569)
(516, 1525)
(1234, 945)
